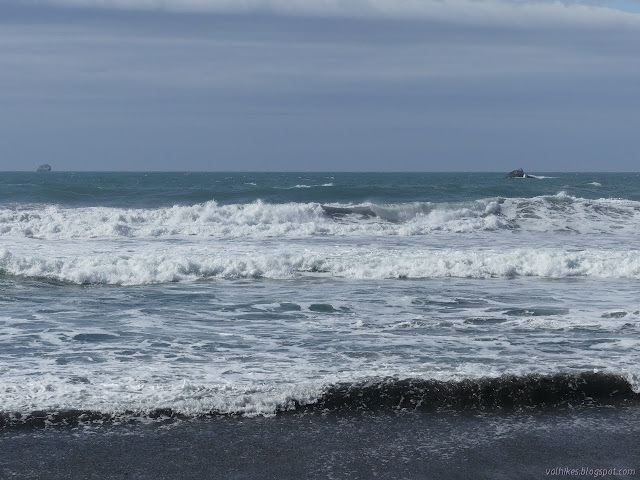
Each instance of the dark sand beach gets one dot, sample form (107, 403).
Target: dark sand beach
(350, 446)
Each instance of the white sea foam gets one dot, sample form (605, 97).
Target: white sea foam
(260, 220)
(208, 219)
(137, 391)
(160, 264)
(312, 186)
(231, 389)
(231, 347)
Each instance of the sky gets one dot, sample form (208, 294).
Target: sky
(323, 85)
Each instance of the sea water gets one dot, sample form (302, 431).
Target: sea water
(126, 294)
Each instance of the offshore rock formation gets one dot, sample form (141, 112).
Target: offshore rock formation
(44, 168)
(519, 173)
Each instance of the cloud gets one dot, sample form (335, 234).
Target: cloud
(293, 85)
(517, 13)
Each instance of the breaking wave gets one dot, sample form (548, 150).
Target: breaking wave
(509, 392)
(181, 265)
(506, 393)
(559, 212)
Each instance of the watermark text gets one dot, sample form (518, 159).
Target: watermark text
(591, 472)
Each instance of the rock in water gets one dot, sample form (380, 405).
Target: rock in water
(519, 173)
(44, 168)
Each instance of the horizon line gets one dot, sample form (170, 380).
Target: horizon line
(315, 171)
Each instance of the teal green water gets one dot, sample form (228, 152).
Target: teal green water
(149, 190)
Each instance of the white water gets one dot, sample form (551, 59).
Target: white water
(555, 213)
(160, 263)
(244, 308)
(252, 347)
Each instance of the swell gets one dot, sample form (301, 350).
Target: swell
(508, 393)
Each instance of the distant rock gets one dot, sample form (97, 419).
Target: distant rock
(44, 168)
(519, 173)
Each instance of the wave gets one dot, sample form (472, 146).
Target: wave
(559, 212)
(311, 186)
(192, 264)
(508, 393)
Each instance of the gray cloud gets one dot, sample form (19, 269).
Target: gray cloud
(586, 13)
(141, 90)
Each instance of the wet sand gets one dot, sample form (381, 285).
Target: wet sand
(350, 446)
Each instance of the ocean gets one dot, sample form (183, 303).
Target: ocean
(290, 308)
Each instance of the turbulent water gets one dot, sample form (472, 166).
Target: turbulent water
(210, 293)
